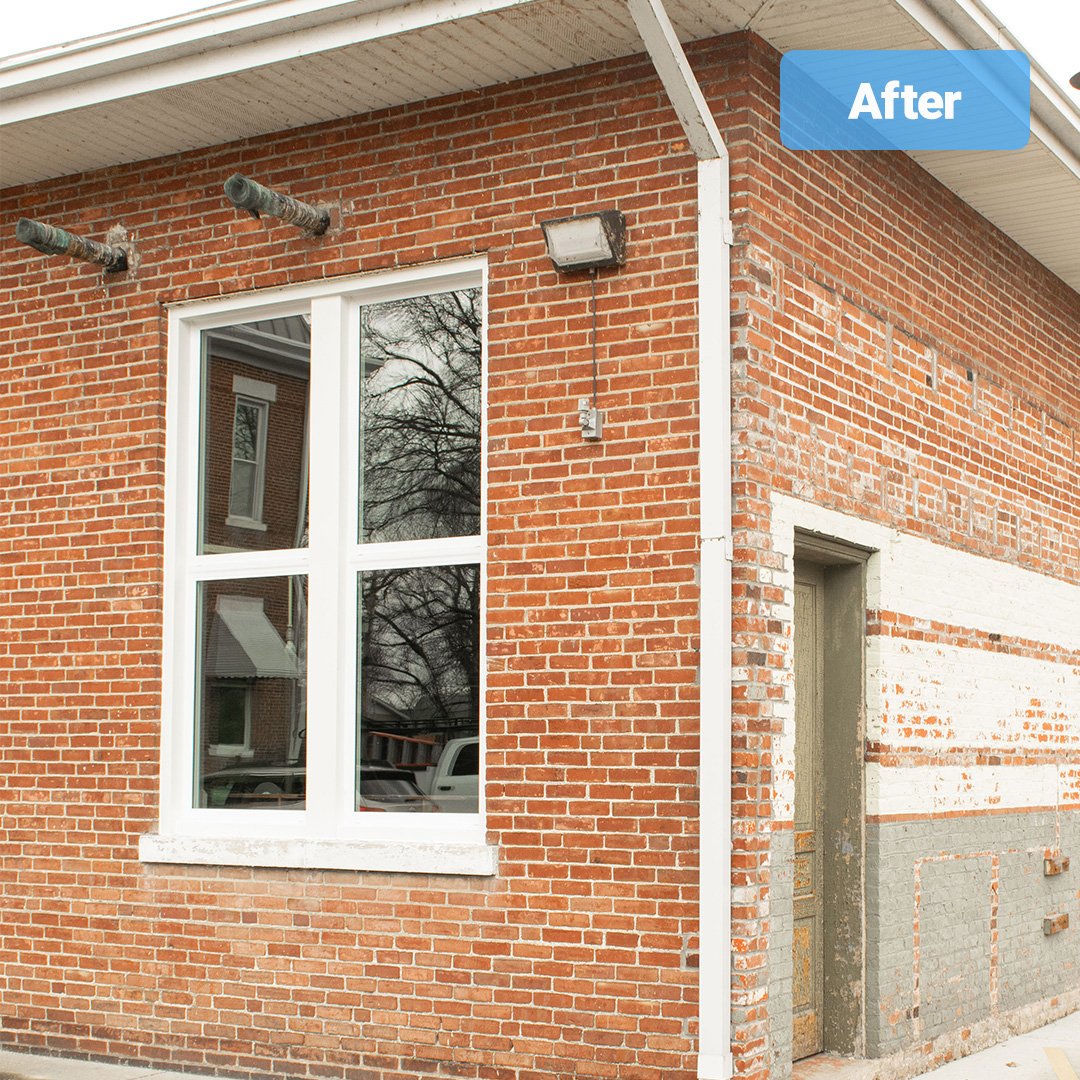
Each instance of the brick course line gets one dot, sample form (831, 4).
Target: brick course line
(944, 815)
(890, 754)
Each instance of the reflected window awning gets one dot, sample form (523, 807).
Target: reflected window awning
(244, 644)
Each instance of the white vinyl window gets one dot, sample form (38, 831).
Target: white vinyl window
(316, 666)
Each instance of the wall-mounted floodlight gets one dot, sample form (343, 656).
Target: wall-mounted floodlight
(257, 200)
(587, 241)
(50, 240)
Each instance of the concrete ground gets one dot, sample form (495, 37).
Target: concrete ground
(1022, 1057)
(15, 1066)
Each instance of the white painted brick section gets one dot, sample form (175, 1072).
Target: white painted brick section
(932, 695)
(933, 790)
(931, 581)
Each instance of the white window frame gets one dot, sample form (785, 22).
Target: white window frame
(329, 833)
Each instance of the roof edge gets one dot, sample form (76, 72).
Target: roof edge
(970, 24)
(234, 36)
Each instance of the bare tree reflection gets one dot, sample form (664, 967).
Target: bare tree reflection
(420, 646)
(420, 480)
(421, 417)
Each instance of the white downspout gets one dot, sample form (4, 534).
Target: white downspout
(714, 373)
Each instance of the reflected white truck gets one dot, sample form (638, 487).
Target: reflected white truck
(454, 783)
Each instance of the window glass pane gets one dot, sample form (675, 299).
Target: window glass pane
(251, 704)
(242, 495)
(229, 706)
(246, 432)
(419, 688)
(253, 491)
(420, 417)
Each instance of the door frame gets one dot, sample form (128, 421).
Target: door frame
(843, 690)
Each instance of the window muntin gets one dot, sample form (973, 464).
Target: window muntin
(326, 552)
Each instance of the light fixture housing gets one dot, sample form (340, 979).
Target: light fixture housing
(586, 241)
(1075, 81)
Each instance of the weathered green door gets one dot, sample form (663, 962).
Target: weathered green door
(808, 977)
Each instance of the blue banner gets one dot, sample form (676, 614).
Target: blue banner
(905, 99)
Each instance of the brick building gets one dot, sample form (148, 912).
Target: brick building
(778, 719)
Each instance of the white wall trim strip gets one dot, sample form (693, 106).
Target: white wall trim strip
(926, 580)
(926, 791)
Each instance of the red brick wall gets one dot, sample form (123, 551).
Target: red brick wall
(896, 358)
(573, 960)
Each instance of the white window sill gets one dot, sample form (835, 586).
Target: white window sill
(245, 523)
(385, 856)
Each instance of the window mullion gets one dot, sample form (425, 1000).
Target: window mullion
(326, 644)
(182, 502)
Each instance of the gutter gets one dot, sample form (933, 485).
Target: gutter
(969, 24)
(714, 372)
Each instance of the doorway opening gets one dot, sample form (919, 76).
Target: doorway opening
(828, 947)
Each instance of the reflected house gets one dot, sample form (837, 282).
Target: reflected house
(249, 671)
(254, 497)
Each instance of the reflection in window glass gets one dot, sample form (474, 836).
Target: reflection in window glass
(248, 460)
(253, 450)
(251, 716)
(420, 417)
(419, 685)
(466, 760)
(229, 711)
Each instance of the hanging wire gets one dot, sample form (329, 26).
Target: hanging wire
(592, 275)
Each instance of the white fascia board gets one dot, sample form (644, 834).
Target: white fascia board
(211, 48)
(1055, 120)
(129, 46)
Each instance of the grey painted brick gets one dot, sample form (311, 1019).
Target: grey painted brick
(955, 961)
(781, 920)
(956, 987)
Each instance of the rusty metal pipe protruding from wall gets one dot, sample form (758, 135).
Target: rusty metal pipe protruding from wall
(258, 200)
(50, 240)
